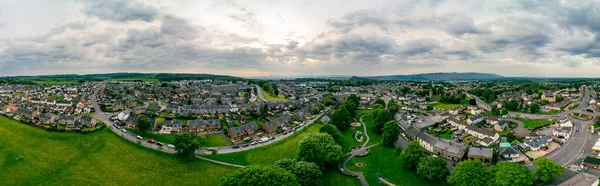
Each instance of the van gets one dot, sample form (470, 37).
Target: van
(262, 140)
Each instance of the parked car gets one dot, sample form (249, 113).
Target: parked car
(124, 131)
(211, 149)
(235, 146)
(151, 141)
(285, 133)
(160, 144)
(262, 140)
(115, 125)
(254, 143)
(272, 138)
(245, 145)
(139, 137)
(170, 146)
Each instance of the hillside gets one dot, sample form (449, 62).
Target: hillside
(442, 76)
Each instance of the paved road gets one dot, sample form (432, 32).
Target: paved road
(260, 93)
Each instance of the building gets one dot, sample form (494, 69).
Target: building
(122, 116)
(475, 120)
(509, 152)
(325, 119)
(500, 125)
(242, 131)
(87, 121)
(68, 121)
(171, 127)
(486, 137)
(535, 143)
(208, 126)
(549, 96)
(591, 162)
(581, 179)
(484, 154)
(427, 141)
(449, 150)
(458, 110)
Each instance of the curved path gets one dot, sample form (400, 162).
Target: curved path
(260, 93)
(355, 152)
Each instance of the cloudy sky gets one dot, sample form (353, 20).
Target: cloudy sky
(301, 37)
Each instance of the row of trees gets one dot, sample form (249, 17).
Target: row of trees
(432, 168)
(315, 152)
(474, 172)
(344, 114)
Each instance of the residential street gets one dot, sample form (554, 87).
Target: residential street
(260, 93)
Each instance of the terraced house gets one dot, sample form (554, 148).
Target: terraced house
(205, 126)
(242, 131)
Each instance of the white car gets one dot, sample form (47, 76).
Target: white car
(139, 137)
(124, 131)
(170, 146)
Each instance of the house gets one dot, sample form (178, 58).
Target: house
(487, 137)
(325, 119)
(581, 179)
(208, 126)
(47, 118)
(271, 126)
(171, 127)
(68, 121)
(242, 131)
(153, 107)
(449, 150)
(475, 120)
(27, 113)
(500, 125)
(131, 122)
(591, 162)
(549, 97)
(122, 116)
(534, 143)
(562, 132)
(88, 121)
(458, 110)
(509, 152)
(427, 141)
(484, 154)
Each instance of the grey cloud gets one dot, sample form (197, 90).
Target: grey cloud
(420, 46)
(179, 28)
(352, 49)
(356, 19)
(121, 10)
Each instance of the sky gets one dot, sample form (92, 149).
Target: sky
(545, 38)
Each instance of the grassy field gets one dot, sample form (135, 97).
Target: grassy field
(348, 139)
(99, 158)
(55, 82)
(212, 140)
(269, 97)
(385, 161)
(445, 106)
(551, 112)
(56, 97)
(374, 138)
(267, 155)
(534, 123)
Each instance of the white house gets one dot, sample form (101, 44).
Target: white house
(123, 115)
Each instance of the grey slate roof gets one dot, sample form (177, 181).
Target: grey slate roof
(508, 150)
(482, 152)
(200, 122)
(242, 128)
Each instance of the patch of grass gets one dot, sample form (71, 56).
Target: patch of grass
(270, 97)
(163, 114)
(99, 158)
(374, 137)
(534, 123)
(237, 122)
(574, 106)
(447, 135)
(268, 155)
(445, 106)
(55, 82)
(551, 112)
(332, 176)
(57, 97)
(384, 160)
(362, 112)
(212, 140)
(348, 139)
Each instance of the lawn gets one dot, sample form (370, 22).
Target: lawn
(348, 139)
(99, 158)
(212, 140)
(445, 106)
(57, 97)
(267, 155)
(374, 138)
(269, 97)
(551, 112)
(535, 123)
(384, 160)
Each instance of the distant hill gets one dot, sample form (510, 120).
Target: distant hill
(442, 76)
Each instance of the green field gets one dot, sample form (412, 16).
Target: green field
(269, 97)
(551, 112)
(445, 106)
(267, 155)
(55, 82)
(212, 140)
(56, 97)
(374, 138)
(99, 158)
(385, 161)
(535, 123)
(348, 139)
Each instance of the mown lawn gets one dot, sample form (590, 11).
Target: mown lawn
(384, 160)
(374, 137)
(535, 123)
(551, 112)
(445, 106)
(212, 140)
(269, 97)
(99, 158)
(267, 155)
(348, 139)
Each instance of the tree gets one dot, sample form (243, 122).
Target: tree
(472, 102)
(508, 174)
(405, 90)
(331, 130)
(432, 168)
(412, 154)
(275, 89)
(546, 169)
(380, 117)
(511, 105)
(341, 118)
(470, 172)
(378, 106)
(307, 173)
(143, 124)
(390, 133)
(186, 144)
(379, 101)
(393, 107)
(319, 148)
(534, 108)
(260, 175)
(264, 110)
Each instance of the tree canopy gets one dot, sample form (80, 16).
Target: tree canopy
(186, 144)
(390, 133)
(307, 173)
(331, 130)
(341, 118)
(143, 124)
(319, 148)
(546, 169)
(509, 174)
(260, 175)
(432, 168)
(380, 117)
(470, 172)
(380, 101)
(412, 154)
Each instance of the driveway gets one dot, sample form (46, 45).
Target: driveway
(520, 130)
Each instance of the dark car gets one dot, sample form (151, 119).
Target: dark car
(235, 146)
(272, 138)
(245, 145)
(160, 144)
(284, 133)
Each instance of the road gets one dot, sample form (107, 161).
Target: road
(220, 150)
(260, 93)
